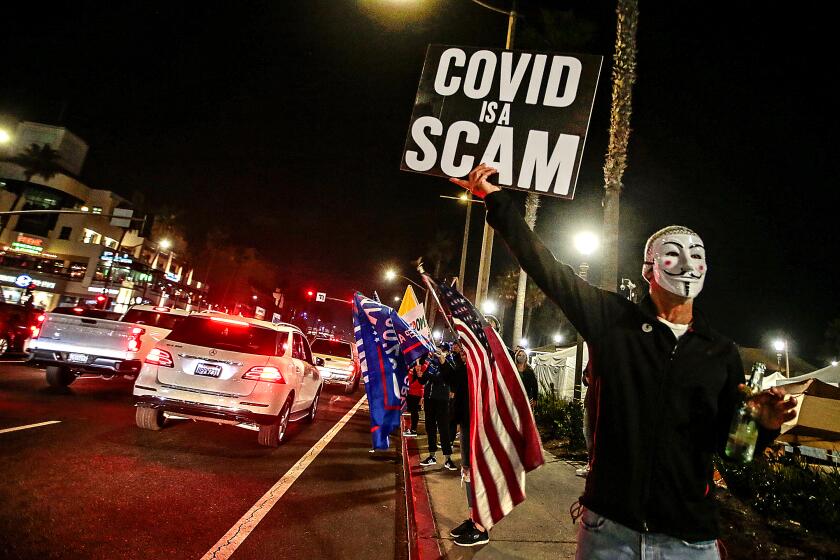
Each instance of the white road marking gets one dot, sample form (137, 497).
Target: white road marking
(38, 425)
(228, 544)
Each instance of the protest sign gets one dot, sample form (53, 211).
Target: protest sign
(524, 113)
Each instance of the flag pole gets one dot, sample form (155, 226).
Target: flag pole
(427, 280)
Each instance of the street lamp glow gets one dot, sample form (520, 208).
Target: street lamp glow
(779, 345)
(5, 137)
(586, 243)
(833, 363)
(523, 342)
(558, 338)
(437, 335)
(165, 244)
(488, 307)
(396, 298)
(255, 298)
(390, 275)
(464, 197)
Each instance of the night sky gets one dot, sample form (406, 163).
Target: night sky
(284, 123)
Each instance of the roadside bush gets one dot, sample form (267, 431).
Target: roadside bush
(560, 419)
(787, 487)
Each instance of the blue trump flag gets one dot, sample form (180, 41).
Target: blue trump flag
(387, 345)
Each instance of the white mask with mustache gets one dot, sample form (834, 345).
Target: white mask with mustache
(679, 263)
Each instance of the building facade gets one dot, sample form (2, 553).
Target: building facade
(71, 258)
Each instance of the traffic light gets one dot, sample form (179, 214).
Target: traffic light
(103, 302)
(310, 295)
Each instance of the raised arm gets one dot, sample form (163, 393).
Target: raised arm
(588, 308)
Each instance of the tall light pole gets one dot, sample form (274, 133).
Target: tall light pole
(781, 345)
(469, 200)
(487, 240)
(586, 243)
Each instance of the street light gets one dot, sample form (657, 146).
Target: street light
(781, 345)
(165, 244)
(558, 338)
(469, 200)
(523, 342)
(585, 243)
(833, 363)
(488, 307)
(5, 137)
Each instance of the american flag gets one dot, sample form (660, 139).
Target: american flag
(504, 442)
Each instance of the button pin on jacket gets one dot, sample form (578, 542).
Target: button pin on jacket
(647, 327)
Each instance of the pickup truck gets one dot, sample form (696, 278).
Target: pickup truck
(74, 341)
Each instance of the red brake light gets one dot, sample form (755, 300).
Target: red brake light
(41, 318)
(267, 373)
(78, 309)
(160, 357)
(36, 331)
(134, 341)
(231, 321)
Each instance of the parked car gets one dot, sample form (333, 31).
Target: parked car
(341, 362)
(17, 324)
(230, 370)
(78, 341)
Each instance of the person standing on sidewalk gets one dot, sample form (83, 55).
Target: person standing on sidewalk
(415, 394)
(526, 373)
(467, 533)
(667, 387)
(436, 404)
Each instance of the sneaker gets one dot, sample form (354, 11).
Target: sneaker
(429, 461)
(450, 465)
(582, 472)
(409, 433)
(473, 537)
(463, 528)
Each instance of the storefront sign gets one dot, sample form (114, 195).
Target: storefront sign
(122, 258)
(172, 277)
(110, 291)
(15, 279)
(28, 244)
(524, 113)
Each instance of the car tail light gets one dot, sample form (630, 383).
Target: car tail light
(134, 341)
(160, 357)
(230, 321)
(267, 373)
(36, 331)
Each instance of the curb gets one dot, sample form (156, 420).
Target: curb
(420, 521)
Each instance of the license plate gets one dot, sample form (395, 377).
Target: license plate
(74, 357)
(208, 370)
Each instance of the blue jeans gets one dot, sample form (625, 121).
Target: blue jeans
(602, 539)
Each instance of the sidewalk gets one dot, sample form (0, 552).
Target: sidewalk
(540, 527)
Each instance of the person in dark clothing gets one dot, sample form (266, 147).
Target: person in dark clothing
(457, 378)
(666, 388)
(529, 378)
(436, 405)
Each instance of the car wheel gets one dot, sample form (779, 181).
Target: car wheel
(271, 435)
(149, 418)
(59, 377)
(313, 409)
(4, 345)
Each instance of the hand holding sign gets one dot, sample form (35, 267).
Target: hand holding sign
(477, 182)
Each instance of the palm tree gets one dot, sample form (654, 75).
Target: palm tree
(532, 204)
(534, 298)
(36, 160)
(624, 74)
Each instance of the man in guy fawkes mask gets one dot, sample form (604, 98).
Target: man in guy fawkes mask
(664, 388)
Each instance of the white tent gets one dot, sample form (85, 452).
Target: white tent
(557, 370)
(772, 380)
(830, 374)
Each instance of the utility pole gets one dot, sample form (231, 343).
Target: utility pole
(487, 240)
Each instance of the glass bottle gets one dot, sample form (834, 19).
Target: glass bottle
(743, 433)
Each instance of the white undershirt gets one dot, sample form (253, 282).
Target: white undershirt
(677, 329)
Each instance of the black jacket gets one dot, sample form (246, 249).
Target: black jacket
(663, 406)
(436, 380)
(529, 381)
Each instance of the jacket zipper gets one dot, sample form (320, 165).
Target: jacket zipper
(649, 478)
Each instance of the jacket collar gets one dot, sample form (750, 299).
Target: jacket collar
(699, 324)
